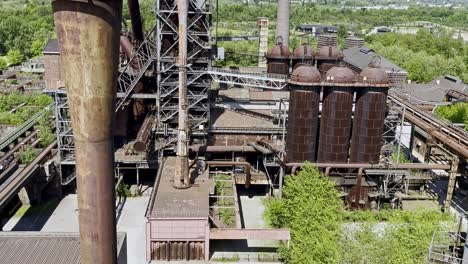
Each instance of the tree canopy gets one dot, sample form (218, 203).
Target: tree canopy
(322, 231)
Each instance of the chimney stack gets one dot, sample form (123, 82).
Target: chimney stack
(282, 21)
(181, 176)
(88, 35)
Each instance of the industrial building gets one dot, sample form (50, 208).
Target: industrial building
(157, 114)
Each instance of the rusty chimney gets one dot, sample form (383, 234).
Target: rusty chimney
(282, 21)
(181, 176)
(88, 36)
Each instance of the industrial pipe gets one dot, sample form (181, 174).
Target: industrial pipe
(454, 145)
(181, 175)
(88, 36)
(135, 17)
(417, 166)
(282, 21)
(222, 149)
(126, 46)
(234, 163)
(144, 133)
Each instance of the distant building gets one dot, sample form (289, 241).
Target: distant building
(53, 71)
(436, 90)
(317, 30)
(359, 58)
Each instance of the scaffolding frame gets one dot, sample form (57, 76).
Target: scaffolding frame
(199, 26)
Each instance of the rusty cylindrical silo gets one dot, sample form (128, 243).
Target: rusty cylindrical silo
(88, 36)
(303, 54)
(303, 114)
(278, 58)
(337, 110)
(327, 57)
(282, 21)
(369, 115)
(181, 175)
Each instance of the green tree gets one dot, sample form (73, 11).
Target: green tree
(3, 64)
(311, 209)
(15, 57)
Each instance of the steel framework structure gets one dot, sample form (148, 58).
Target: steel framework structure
(198, 61)
(131, 72)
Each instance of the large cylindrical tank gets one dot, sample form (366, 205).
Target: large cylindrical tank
(303, 114)
(278, 59)
(337, 110)
(327, 57)
(369, 115)
(303, 54)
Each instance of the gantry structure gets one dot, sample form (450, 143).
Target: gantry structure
(199, 25)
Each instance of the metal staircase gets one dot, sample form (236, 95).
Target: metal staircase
(136, 67)
(130, 74)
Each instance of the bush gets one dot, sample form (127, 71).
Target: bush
(311, 209)
(3, 64)
(27, 155)
(456, 113)
(15, 57)
(323, 232)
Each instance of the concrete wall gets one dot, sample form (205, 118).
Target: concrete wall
(193, 233)
(53, 72)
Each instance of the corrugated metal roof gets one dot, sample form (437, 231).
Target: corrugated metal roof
(360, 57)
(51, 47)
(47, 248)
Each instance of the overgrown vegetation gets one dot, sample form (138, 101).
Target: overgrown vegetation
(35, 102)
(424, 55)
(311, 209)
(27, 155)
(24, 30)
(223, 187)
(323, 232)
(46, 133)
(456, 113)
(402, 158)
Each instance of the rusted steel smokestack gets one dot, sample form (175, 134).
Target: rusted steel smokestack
(282, 21)
(88, 35)
(135, 16)
(181, 176)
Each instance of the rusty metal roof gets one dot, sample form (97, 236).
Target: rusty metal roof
(305, 74)
(45, 248)
(303, 51)
(51, 47)
(330, 52)
(374, 75)
(340, 74)
(279, 51)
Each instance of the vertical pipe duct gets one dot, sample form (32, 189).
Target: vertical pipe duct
(282, 21)
(135, 16)
(88, 36)
(181, 176)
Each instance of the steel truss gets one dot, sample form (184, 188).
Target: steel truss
(198, 60)
(130, 74)
(257, 80)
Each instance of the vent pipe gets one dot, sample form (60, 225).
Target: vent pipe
(135, 17)
(282, 21)
(88, 35)
(181, 176)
